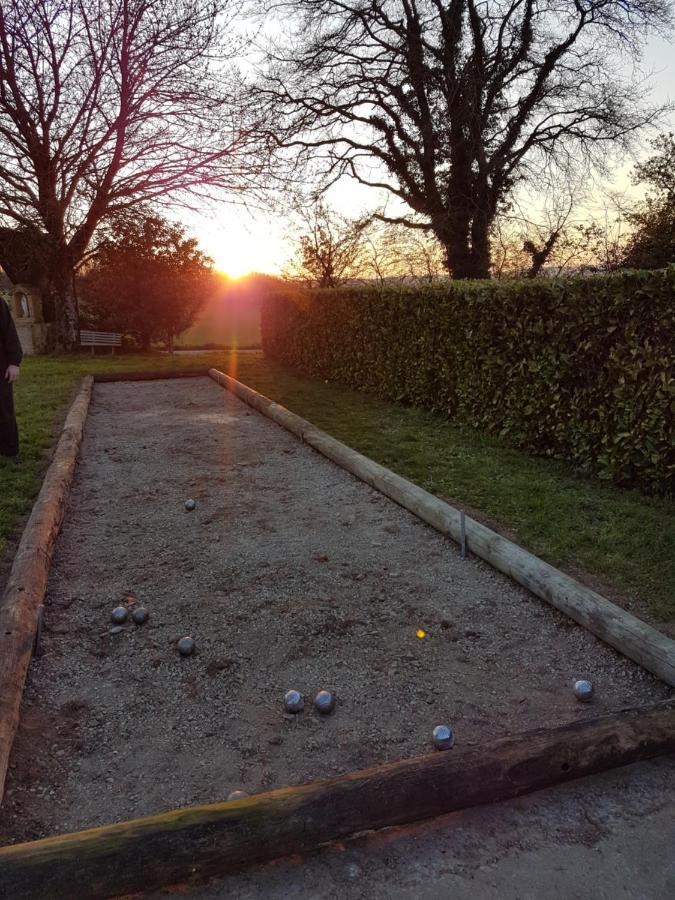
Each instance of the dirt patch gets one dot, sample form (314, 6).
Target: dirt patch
(290, 573)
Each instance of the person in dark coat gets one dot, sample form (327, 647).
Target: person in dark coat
(10, 360)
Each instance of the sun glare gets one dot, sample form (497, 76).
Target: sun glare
(234, 270)
(237, 250)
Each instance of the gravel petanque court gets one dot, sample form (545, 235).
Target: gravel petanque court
(289, 573)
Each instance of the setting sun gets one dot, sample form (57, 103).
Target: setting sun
(240, 243)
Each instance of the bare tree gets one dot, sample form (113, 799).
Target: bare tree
(332, 249)
(105, 104)
(329, 246)
(527, 248)
(449, 104)
(392, 252)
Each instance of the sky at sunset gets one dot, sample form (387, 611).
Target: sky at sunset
(241, 240)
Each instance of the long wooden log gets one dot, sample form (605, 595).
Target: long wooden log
(27, 582)
(152, 374)
(622, 630)
(187, 845)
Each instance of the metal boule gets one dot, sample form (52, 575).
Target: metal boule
(140, 615)
(186, 646)
(293, 702)
(583, 690)
(324, 702)
(443, 737)
(119, 615)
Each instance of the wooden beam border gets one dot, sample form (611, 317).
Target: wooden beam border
(185, 846)
(151, 374)
(27, 582)
(25, 589)
(629, 635)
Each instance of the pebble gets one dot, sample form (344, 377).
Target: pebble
(116, 629)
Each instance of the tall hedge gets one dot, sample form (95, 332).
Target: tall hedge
(580, 369)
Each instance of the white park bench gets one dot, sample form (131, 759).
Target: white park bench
(95, 339)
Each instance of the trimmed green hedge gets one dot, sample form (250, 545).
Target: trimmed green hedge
(580, 369)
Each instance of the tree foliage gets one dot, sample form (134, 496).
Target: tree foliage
(579, 369)
(449, 104)
(149, 281)
(652, 244)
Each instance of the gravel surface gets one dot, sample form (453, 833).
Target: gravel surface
(289, 573)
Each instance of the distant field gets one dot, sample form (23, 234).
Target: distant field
(230, 320)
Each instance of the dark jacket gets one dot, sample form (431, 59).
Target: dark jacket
(10, 347)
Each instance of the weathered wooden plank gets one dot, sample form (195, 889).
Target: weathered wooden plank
(152, 374)
(27, 582)
(617, 627)
(188, 845)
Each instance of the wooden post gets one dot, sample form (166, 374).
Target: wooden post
(188, 845)
(27, 582)
(628, 634)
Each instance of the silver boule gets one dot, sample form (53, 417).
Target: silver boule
(324, 702)
(443, 737)
(186, 646)
(140, 615)
(190, 505)
(583, 690)
(237, 795)
(293, 702)
(119, 615)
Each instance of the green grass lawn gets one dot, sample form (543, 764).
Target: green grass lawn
(622, 539)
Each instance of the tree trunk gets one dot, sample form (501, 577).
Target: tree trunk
(468, 262)
(540, 257)
(62, 291)
(466, 239)
(480, 244)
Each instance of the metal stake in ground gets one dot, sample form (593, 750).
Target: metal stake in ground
(462, 534)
